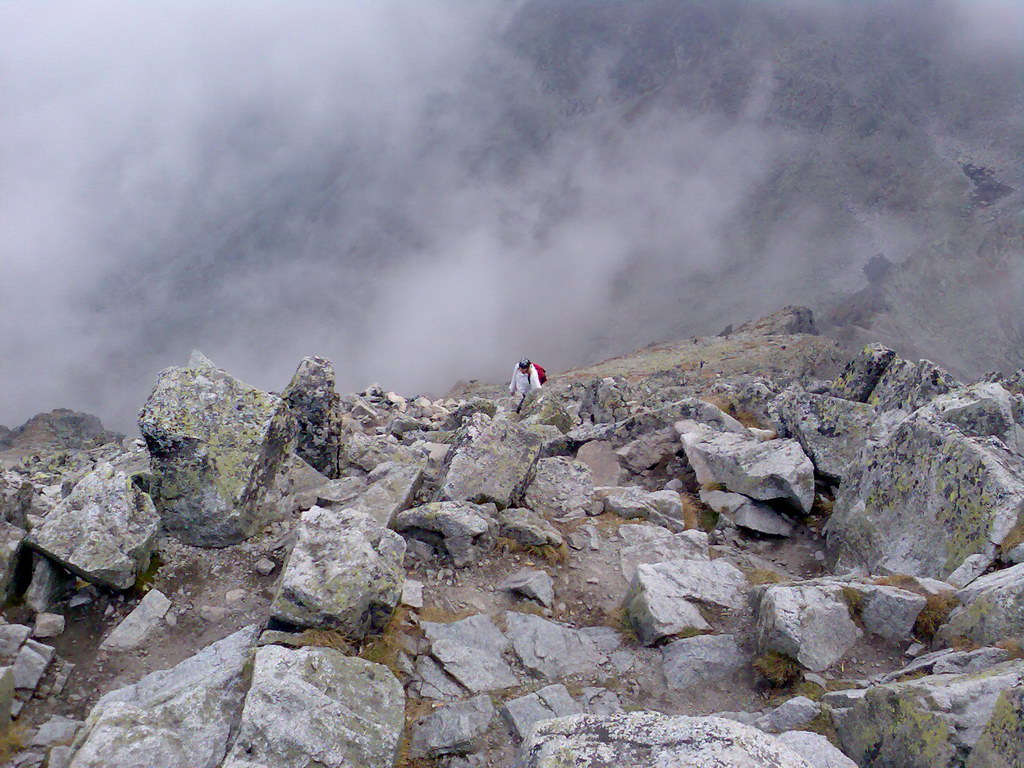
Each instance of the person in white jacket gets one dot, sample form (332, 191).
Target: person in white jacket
(524, 380)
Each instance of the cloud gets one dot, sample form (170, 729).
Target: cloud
(428, 191)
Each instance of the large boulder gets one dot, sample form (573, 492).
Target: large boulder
(317, 707)
(181, 717)
(777, 469)
(665, 508)
(809, 623)
(861, 374)
(345, 572)
(104, 531)
(392, 489)
(660, 602)
(315, 405)
(459, 529)
(991, 608)
(936, 721)
(216, 446)
(832, 431)
(490, 461)
(925, 499)
(985, 409)
(907, 385)
(11, 537)
(646, 739)
(561, 486)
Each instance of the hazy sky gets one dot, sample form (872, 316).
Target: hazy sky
(405, 187)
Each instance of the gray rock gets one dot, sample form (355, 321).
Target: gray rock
(391, 490)
(816, 749)
(30, 664)
(456, 729)
(552, 651)
(663, 508)
(561, 486)
(658, 602)
(908, 385)
(971, 568)
(48, 584)
(341, 493)
(534, 584)
(1001, 743)
(56, 730)
(832, 431)
(430, 681)
(48, 625)
(600, 701)
(11, 537)
(746, 513)
(544, 704)
(933, 721)
(980, 410)
(528, 528)
(649, 449)
(646, 739)
(791, 714)
(264, 566)
(927, 497)
(599, 455)
(315, 405)
(176, 718)
(1015, 555)
(6, 697)
(344, 572)
(59, 757)
(12, 637)
(139, 625)
(654, 544)
(949, 662)
(778, 469)
(472, 652)
(809, 623)
(490, 461)
(701, 659)
(412, 593)
(215, 445)
(861, 375)
(990, 608)
(104, 531)
(889, 612)
(317, 707)
(367, 452)
(462, 530)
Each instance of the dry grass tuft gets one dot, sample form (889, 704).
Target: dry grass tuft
(438, 615)
(12, 740)
(764, 576)
(777, 669)
(710, 486)
(1015, 646)
(899, 580)
(1013, 538)
(823, 725)
(934, 614)
(326, 638)
(693, 509)
(960, 643)
(546, 552)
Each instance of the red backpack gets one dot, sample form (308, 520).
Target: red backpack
(542, 375)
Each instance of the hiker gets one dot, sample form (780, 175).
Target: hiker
(526, 377)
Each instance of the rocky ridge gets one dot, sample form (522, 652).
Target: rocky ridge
(735, 551)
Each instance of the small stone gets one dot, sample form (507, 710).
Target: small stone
(48, 625)
(235, 596)
(265, 566)
(412, 593)
(212, 613)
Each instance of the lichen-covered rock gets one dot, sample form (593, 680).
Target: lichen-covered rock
(317, 707)
(561, 486)
(345, 572)
(981, 410)
(15, 498)
(315, 405)
(926, 498)
(1001, 743)
(11, 537)
(459, 529)
(991, 608)
(930, 722)
(391, 490)
(777, 469)
(861, 374)
(104, 531)
(647, 739)
(832, 431)
(809, 623)
(908, 385)
(816, 749)
(176, 718)
(216, 446)
(549, 410)
(489, 462)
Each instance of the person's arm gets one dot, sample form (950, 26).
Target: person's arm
(512, 384)
(534, 379)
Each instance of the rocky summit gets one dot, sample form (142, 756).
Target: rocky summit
(751, 550)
